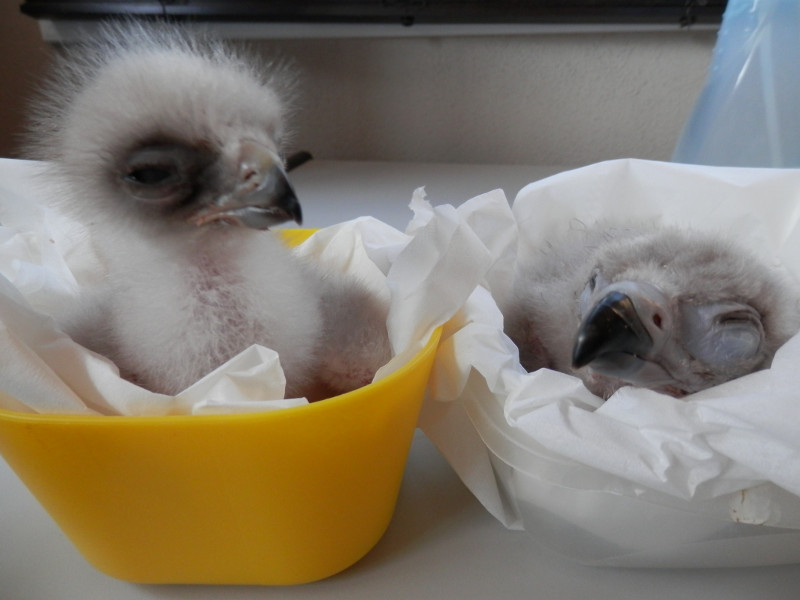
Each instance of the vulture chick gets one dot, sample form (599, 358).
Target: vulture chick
(166, 145)
(663, 308)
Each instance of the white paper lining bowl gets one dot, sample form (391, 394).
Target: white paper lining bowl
(642, 480)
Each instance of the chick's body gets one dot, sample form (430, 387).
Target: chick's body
(172, 313)
(165, 145)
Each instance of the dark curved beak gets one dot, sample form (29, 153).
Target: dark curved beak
(262, 196)
(271, 203)
(612, 337)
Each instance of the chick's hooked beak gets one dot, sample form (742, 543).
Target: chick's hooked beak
(262, 196)
(626, 335)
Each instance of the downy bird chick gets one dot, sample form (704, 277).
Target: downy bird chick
(672, 310)
(167, 145)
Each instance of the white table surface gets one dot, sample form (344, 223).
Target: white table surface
(441, 543)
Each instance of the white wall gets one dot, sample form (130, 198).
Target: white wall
(564, 99)
(559, 99)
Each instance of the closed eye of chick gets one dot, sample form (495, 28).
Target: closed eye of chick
(667, 309)
(167, 146)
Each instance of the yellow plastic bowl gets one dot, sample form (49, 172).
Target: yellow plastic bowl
(275, 498)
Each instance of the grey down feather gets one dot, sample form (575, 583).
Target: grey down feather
(664, 308)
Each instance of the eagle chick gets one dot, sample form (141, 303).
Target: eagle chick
(664, 308)
(166, 145)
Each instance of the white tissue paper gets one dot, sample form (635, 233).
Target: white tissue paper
(642, 479)
(45, 257)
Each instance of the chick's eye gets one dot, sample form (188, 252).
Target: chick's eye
(738, 317)
(594, 282)
(152, 175)
(725, 334)
(160, 174)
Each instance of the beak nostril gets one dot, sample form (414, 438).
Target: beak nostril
(657, 320)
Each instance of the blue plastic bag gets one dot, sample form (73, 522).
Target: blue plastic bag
(748, 114)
